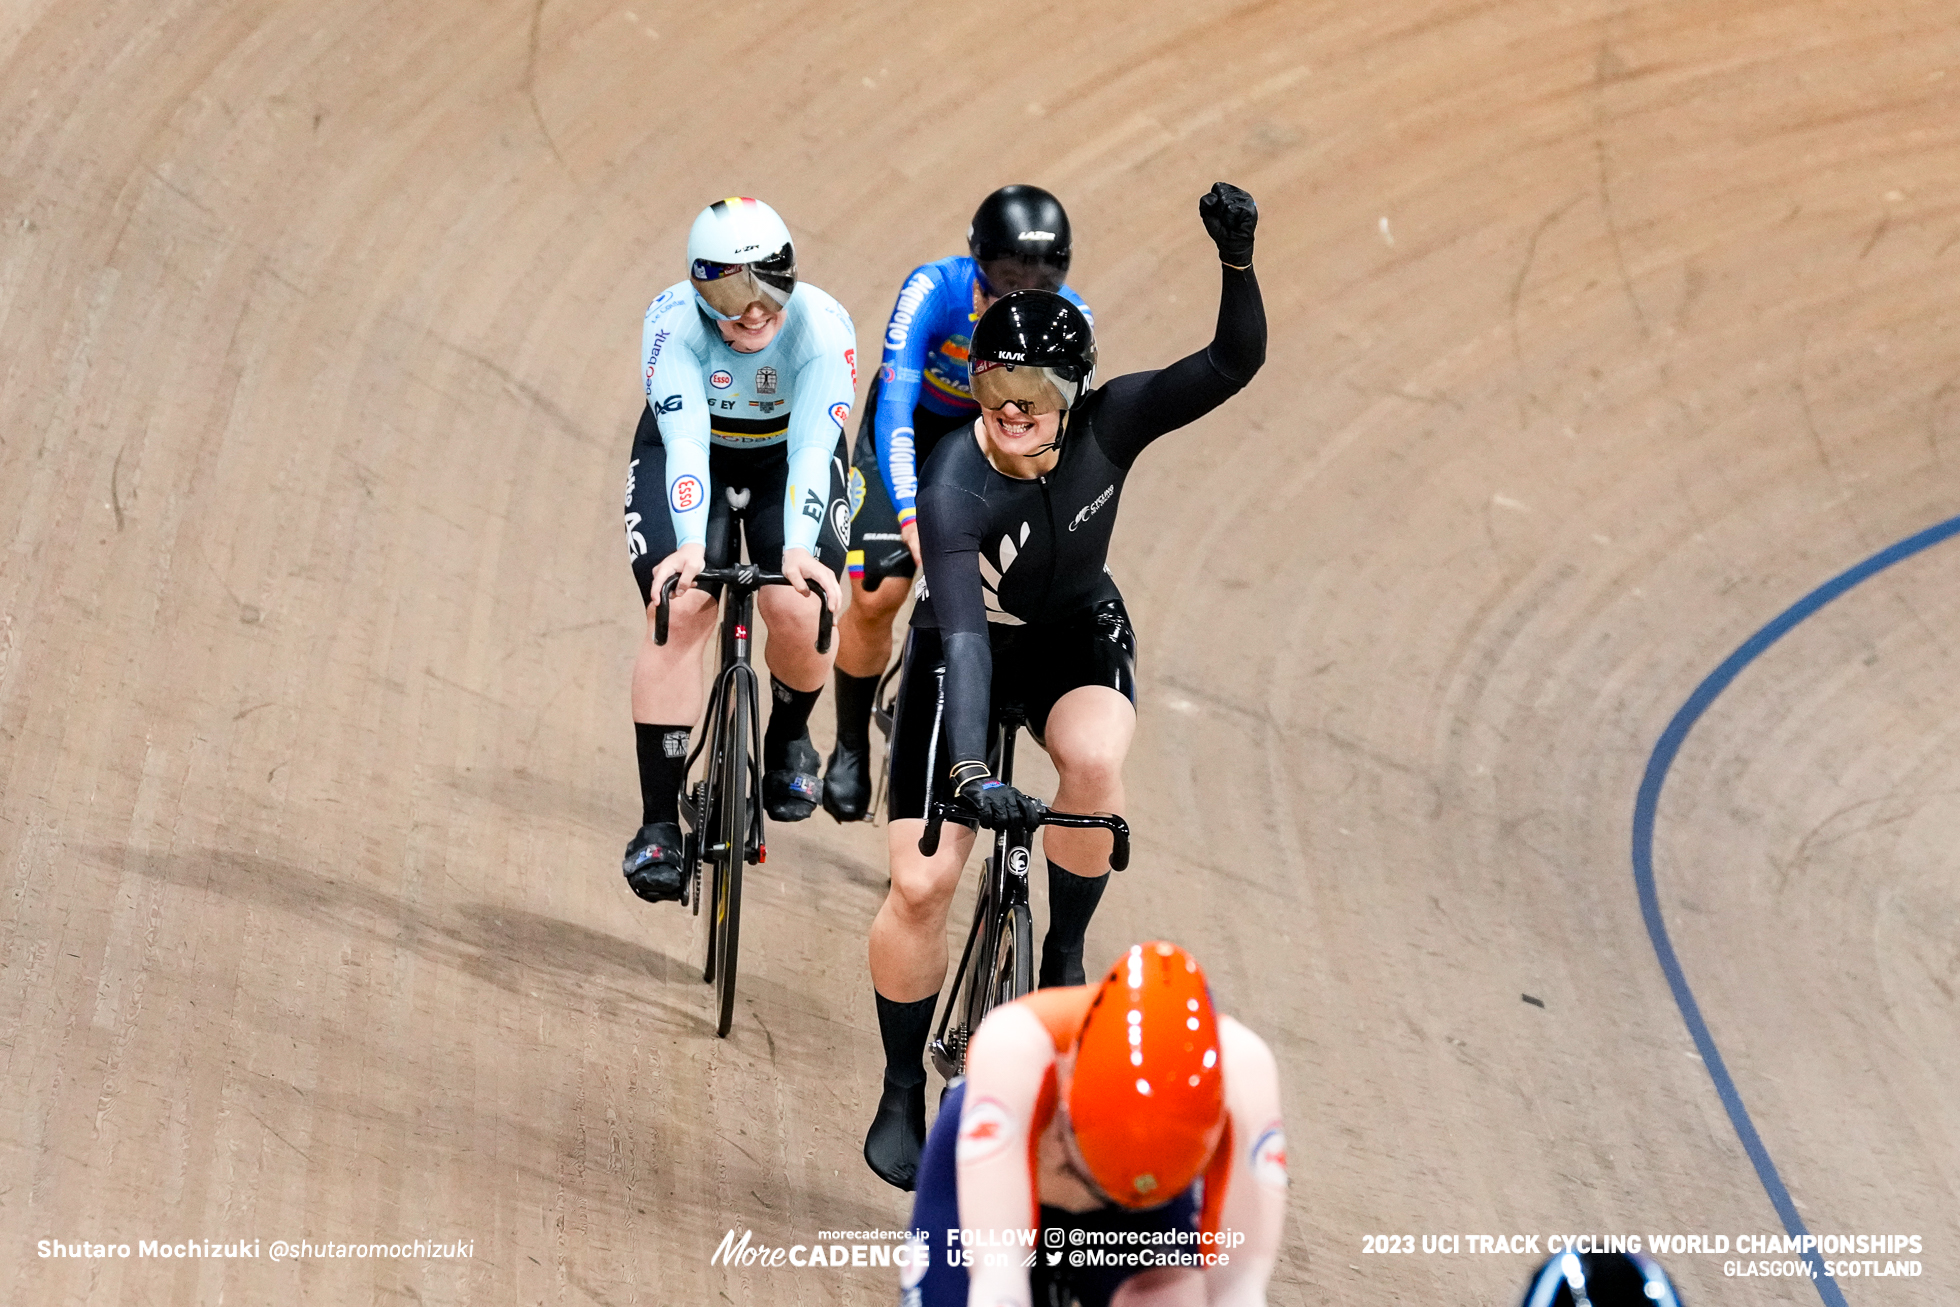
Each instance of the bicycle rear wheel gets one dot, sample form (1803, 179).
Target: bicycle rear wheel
(733, 833)
(1011, 974)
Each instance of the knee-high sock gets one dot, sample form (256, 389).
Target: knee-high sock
(663, 770)
(904, 1028)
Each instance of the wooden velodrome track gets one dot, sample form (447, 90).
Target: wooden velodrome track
(1601, 333)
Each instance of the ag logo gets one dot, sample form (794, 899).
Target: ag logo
(671, 404)
(1017, 861)
(685, 493)
(840, 414)
(721, 380)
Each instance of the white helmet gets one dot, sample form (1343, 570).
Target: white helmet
(739, 252)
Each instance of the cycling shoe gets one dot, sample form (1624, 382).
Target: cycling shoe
(653, 863)
(791, 792)
(847, 783)
(898, 1135)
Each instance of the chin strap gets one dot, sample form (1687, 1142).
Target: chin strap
(1061, 429)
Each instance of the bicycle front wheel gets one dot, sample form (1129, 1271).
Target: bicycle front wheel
(1016, 974)
(733, 835)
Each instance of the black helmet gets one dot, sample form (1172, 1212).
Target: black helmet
(1600, 1280)
(1020, 238)
(1035, 348)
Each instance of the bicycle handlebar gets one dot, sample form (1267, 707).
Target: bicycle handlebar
(746, 577)
(961, 810)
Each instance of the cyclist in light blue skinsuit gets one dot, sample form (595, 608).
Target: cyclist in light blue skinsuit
(749, 380)
(1019, 240)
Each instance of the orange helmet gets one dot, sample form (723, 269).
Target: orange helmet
(1147, 1101)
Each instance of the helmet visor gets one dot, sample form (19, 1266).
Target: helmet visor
(1033, 390)
(1012, 272)
(729, 288)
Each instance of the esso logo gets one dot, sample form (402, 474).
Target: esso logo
(686, 493)
(721, 380)
(840, 413)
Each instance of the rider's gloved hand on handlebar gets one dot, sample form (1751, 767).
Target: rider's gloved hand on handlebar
(1002, 807)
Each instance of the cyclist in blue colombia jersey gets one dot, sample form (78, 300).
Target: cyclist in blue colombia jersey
(1015, 518)
(749, 380)
(1018, 240)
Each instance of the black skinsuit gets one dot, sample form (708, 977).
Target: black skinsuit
(1016, 601)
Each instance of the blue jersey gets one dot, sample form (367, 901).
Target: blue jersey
(926, 345)
(797, 389)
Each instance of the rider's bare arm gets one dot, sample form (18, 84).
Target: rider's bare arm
(1255, 1195)
(1008, 1062)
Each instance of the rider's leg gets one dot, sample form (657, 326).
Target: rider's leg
(880, 566)
(792, 653)
(908, 936)
(908, 965)
(666, 686)
(791, 788)
(864, 647)
(667, 678)
(1087, 734)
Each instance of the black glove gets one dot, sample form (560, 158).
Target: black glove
(1230, 215)
(1002, 807)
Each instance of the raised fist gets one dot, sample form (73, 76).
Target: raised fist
(1230, 215)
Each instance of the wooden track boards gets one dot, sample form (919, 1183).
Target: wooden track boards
(1600, 334)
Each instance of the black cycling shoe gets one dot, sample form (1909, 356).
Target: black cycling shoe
(898, 1135)
(653, 863)
(791, 792)
(847, 782)
(1061, 967)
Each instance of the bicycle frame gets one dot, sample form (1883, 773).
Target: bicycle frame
(1002, 913)
(724, 810)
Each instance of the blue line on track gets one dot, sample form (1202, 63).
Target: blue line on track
(1644, 808)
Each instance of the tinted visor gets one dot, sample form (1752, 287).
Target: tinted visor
(1033, 390)
(1012, 272)
(729, 288)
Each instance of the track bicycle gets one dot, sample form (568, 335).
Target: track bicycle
(723, 810)
(997, 964)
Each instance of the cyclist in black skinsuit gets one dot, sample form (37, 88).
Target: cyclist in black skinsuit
(1015, 518)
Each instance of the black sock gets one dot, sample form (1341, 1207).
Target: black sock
(905, 1027)
(789, 720)
(663, 770)
(855, 695)
(1072, 901)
